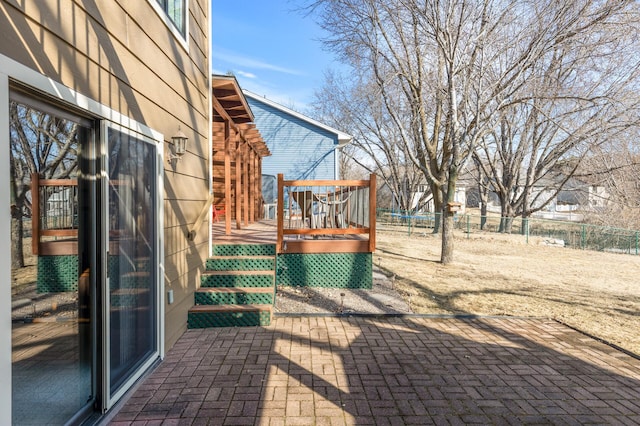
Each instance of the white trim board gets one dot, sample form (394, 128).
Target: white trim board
(5, 261)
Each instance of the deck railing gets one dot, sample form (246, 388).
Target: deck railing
(54, 216)
(326, 216)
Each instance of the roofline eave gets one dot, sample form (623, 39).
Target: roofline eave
(343, 138)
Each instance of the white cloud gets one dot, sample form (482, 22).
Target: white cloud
(246, 74)
(287, 97)
(294, 99)
(247, 62)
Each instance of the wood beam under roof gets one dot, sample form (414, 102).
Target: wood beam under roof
(228, 93)
(238, 148)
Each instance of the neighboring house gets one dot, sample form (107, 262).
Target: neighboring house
(423, 203)
(575, 198)
(96, 90)
(301, 147)
(422, 199)
(579, 195)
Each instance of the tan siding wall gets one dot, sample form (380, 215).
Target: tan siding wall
(121, 54)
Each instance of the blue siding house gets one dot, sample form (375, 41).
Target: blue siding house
(301, 147)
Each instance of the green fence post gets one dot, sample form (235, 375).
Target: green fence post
(526, 229)
(584, 236)
(468, 226)
(636, 243)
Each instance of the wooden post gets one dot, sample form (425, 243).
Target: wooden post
(227, 178)
(238, 192)
(245, 182)
(252, 185)
(259, 176)
(280, 214)
(372, 213)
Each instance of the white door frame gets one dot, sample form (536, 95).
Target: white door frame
(13, 71)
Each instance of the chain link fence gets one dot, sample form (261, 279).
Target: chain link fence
(568, 234)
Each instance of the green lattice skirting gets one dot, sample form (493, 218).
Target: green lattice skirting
(233, 298)
(236, 280)
(336, 270)
(240, 264)
(228, 319)
(244, 250)
(57, 274)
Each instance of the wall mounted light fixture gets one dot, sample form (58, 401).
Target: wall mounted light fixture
(179, 142)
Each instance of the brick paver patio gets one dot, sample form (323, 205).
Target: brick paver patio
(412, 370)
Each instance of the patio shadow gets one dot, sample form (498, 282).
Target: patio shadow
(400, 370)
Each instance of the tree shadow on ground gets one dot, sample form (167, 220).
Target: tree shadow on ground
(408, 370)
(448, 302)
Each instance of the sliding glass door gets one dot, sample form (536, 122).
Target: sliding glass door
(132, 256)
(54, 265)
(85, 251)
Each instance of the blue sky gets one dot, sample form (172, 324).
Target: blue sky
(272, 50)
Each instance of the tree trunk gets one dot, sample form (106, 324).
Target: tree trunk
(17, 255)
(506, 217)
(446, 255)
(483, 215)
(506, 224)
(437, 207)
(484, 199)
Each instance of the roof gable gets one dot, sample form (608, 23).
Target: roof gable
(228, 93)
(343, 138)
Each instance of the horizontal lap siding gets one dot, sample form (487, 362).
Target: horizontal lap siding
(121, 54)
(299, 149)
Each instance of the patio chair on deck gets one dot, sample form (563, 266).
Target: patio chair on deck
(304, 200)
(218, 212)
(310, 216)
(335, 206)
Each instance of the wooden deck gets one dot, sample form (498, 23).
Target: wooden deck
(263, 232)
(260, 232)
(326, 216)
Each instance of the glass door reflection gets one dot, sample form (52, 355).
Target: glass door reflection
(132, 255)
(53, 263)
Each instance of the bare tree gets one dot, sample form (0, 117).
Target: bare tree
(426, 62)
(447, 69)
(581, 93)
(482, 189)
(376, 146)
(43, 144)
(613, 171)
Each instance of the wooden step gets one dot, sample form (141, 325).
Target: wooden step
(237, 273)
(268, 257)
(231, 308)
(234, 296)
(240, 263)
(135, 279)
(129, 297)
(244, 249)
(211, 279)
(205, 316)
(236, 290)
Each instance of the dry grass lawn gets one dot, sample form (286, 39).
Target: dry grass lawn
(495, 274)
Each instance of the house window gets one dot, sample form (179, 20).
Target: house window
(176, 10)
